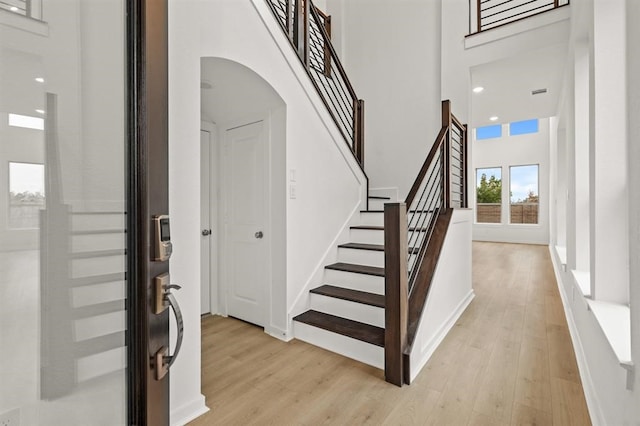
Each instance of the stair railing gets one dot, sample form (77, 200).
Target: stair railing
(488, 14)
(409, 228)
(309, 31)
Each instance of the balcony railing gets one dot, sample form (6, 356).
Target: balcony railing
(488, 14)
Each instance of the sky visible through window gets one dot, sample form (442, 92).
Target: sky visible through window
(496, 171)
(26, 177)
(524, 180)
(523, 127)
(489, 132)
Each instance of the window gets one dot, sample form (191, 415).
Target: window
(26, 195)
(524, 194)
(489, 132)
(489, 195)
(523, 127)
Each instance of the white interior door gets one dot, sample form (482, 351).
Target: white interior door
(246, 251)
(205, 221)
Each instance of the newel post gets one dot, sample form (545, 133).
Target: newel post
(396, 290)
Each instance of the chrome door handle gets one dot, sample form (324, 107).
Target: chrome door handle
(206, 232)
(259, 235)
(163, 300)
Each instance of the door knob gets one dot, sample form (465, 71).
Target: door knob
(206, 232)
(259, 235)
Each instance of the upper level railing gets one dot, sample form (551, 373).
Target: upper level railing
(28, 8)
(411, 234)
(309, 31)
(487, 14)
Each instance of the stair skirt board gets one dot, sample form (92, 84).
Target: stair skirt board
(362, 282)
(346, 346)
(346, 309)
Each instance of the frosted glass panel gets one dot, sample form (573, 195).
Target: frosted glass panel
(62, 220)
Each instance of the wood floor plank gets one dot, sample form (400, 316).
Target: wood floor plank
(569, 404)
(522, 373)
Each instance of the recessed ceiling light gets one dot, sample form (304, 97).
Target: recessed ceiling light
(40, 111)
(39, 79)
(478, 89)
(14, 9)
(494, 118)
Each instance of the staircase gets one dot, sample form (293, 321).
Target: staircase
(346, 312)
(371, 302)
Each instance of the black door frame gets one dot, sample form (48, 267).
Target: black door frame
(147, 195)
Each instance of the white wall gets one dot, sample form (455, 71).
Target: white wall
(610, 260)
(330, 185)
(391, 52)
(450, 292)
(508, 151)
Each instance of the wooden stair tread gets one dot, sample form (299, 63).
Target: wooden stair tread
(359, 246)
(357, 269)
(357, 296)
(377, 197)
(381, 228)
(354, 329)
(371, 247)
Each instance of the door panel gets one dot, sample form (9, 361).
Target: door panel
(206, 237)
(63, 121)
(75, 324)
(245, 222)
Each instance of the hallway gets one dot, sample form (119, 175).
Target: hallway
(508, 360)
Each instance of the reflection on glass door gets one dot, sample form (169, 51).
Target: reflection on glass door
(62, 218)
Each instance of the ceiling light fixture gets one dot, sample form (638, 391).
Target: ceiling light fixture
(40, 111)
(39, 79)
(14, 9)
(478, 89)
(494, 118)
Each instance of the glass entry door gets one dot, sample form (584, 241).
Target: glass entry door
(64, 172)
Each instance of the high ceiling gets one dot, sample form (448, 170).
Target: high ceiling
(508, 84)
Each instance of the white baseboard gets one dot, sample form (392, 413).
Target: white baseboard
(593, 405)
(184, 414)
(427, 350)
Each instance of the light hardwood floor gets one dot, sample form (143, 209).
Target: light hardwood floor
(508, 360)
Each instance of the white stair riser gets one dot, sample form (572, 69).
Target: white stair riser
(375, 204)
(361, 257)
(373, 219)
(86, 222)
(346, 309)
(82, 243)
(367, 236)
(343, 345)
(362, 282)
(97, 266)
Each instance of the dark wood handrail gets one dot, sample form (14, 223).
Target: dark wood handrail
(333, 87)
(332, 51)
(425, 166)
